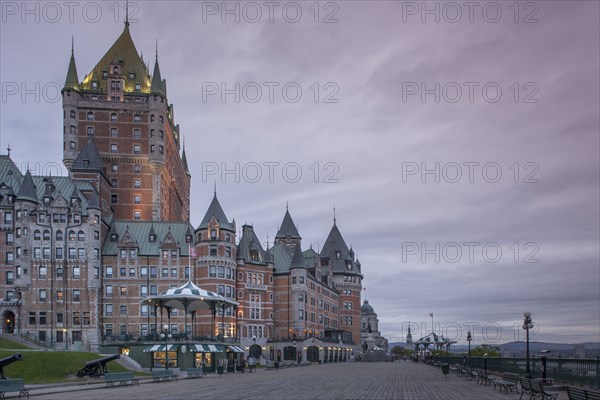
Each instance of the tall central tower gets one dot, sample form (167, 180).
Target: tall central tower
(125, 111)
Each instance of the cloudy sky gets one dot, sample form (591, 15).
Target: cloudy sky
(459, 144)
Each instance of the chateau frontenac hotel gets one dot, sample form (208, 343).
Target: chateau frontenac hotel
(81, 253)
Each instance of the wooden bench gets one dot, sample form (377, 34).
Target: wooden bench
(582, 394)
(163, 375)
(123, 378)
(195, 373)
(538, 388)
(525, 387)
(507, 382)
(13, 385)
(483, 378)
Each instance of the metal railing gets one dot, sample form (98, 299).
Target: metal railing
(571, 371)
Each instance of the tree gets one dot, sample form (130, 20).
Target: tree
(481, 350)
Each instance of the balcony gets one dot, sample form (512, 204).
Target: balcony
(255, 286)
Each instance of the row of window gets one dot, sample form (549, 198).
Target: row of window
(57, 218)
(137, 183)
(79, 235)
(41, 318)
(60, 295)
(144, 272)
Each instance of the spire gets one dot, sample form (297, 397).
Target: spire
(27, 190)
(157, 82)
(184, 160)
(72, 81)
(334, 214)
(126, 13)
(298, 261)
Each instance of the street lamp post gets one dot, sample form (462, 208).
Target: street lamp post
(166, 335)
(469, 338)
(527, 325)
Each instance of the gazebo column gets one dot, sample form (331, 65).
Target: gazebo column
(214, 313)
(156, 317)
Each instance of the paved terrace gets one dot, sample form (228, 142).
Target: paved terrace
(397, 380)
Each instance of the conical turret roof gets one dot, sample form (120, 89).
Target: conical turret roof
(287, 228)
(215, 210)
(27, 190)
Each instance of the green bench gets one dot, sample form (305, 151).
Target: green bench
(195, 373)
(163, 375)
(582, 394)
(507, 382)
(13, 385)
(122, 378)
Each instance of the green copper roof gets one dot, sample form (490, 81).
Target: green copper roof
(171, 233)
(27, 190)
(335, 243)
(72, 81)
(282, 257)
(215, 210)
(88, 158)
(158, 85)
(298, 260)
(287, 228)
(249, 241)
(184, 162)
(124, 54)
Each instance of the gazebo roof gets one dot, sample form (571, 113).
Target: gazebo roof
(189, 297)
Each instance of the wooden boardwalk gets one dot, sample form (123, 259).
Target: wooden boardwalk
(364, 381)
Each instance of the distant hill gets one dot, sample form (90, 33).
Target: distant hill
(591, 348)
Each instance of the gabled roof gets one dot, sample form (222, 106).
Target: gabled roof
(249, 241)
(123, 53)
(287, 228)
(311, 257)
(336, 243)
(88, 158)
(215, 210)
(27, 190)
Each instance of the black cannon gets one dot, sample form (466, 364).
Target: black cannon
(7, 361)
(97, 367)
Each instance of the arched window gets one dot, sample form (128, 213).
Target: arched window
(151, 117)
(59, 235)
(37, 235)
(46, 234)
(71, 235)
(80, 236)
(72, 114)
(115, 70)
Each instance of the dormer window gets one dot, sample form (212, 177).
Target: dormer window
(47, 200)
(138, 87)
(338, 254)
(188, 238)
(104, 74)
(213, 234)
(86, 163)
(348, 265)
(152, 237)
(253, 255)
(114, 237)
(131, 75)
(94, 85)
(115, 70)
